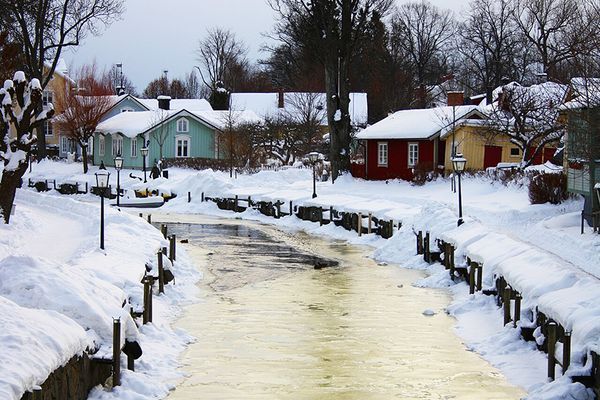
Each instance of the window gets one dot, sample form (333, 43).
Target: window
(90, 146)
(117, 146)
(182, 125)
(514, 151)
(64, 145)
(413, 154)
(182, 146)
(101, 146)
(48, 131)
(47, 97)
(134, 147)
(382, 154)
(127, 109)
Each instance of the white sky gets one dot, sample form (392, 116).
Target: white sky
(157, 35)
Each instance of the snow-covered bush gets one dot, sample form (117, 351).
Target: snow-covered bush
(547, 188)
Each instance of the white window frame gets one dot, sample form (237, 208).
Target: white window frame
(64, 144)
(134, 147)
(48, 128)
(183, 138)
(47, 97)
(413, 154)
(101, 146)
(183, 125)
(117, 146)
(382, 154)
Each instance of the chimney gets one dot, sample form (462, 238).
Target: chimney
(456, 98)
(164, 102)
(280, 100)
(421, 96)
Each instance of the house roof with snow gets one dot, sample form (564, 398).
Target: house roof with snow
(423, 123)
(132, 124)
(179, 104)
(585, 93)
(266, 105)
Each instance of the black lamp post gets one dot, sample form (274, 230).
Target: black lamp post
(144, 151)
(118, 167)
(313, 157)
(102, 177)
(459, 163)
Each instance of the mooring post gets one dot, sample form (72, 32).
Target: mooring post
(189, 197)
(359, 224)
(552, 350)
(161, 273)
(566, 361)
(116, 352)
(479, 270)
(472, 266)
(517, 309)
(370, 221)
(149, 218)
(506, 301)
(426, 247)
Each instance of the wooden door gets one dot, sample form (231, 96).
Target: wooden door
(492, 156)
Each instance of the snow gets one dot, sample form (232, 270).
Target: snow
(19, 76)
(536, 248)
(415, 124)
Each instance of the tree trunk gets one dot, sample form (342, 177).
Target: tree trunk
(41, 137)
(8, 187)
(332, 106)
(84, 157)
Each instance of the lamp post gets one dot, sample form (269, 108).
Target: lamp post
(118, 167)
(459, 163)
(144, 151)
(102, 177)
(313, 157)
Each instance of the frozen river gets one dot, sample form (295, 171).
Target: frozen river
(271, 326)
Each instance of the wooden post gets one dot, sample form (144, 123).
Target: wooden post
(161, 273)
(164, 251)
(130, 363)
(370, 221)
(189, 197)
(37, 394)
(517, 309)
(291, 208)
(420, 242)
(174, 253)
(149, 218)
(472, 267)
(202, 198)
(566, 359)
(235, 206)
(551, 349)
(116, 352)
(506, 301)
(320, 216)
(479, 270)
(331, 214)
(147, 294)
(426, 247)
(141, 215)
(163, 229)
(359, 224)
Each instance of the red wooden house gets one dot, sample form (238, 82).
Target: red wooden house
(407, 140)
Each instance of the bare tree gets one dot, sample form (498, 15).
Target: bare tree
(306, 111)
(157, 87)
(423, 32)
(44, 28)
(162, 130)
(559, 30)
(84, 106)
(489, 42)
(118, 79)
(528, 117)
(220, 53)
(192, 85)
(20, 101)
(332, 32)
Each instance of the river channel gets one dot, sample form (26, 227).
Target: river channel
(269, 325)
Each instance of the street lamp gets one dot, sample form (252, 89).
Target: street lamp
(118, 167)
(313, 157)
(459, 163)
(102, 177)
(144, 151)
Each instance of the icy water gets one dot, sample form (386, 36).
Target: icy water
(271, 326)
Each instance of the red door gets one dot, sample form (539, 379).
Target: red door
(492, 156)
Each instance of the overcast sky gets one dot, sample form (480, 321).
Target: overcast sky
(157, 35)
